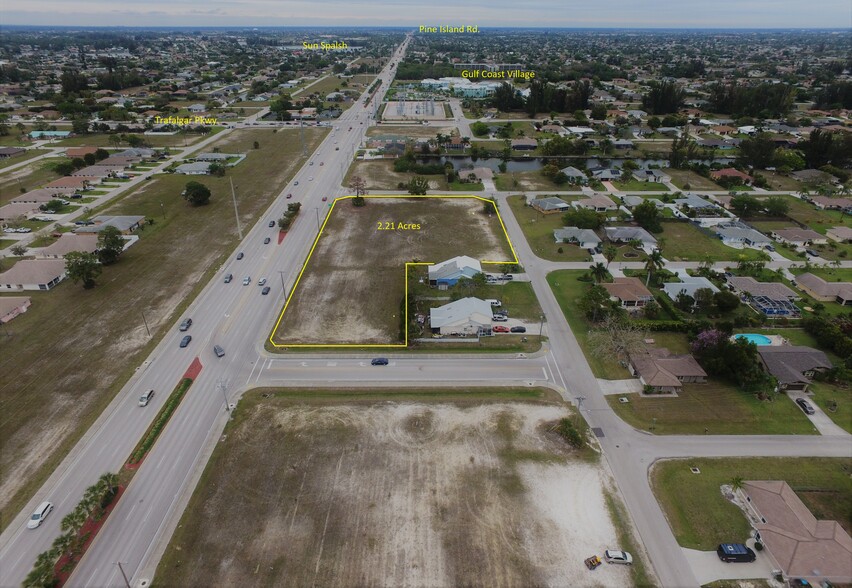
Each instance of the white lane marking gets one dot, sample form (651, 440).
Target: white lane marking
(558, 371)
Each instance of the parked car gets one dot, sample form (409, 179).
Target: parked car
(184, 326)
(146, 398)
(507, 277)
(494, 302)
(379, 361)
(246, 281)
(810, 252)
(185, 341)
(39, 514)
(735, 552)
(240, 255)
(501, 312)
(228, 278)
(519, 329)
(266, 241)
(500, 329)
(618, 557)
(271, 224)
(261, 282)
(217, 349)
(499, 318)
(805, 406)
(265, 290)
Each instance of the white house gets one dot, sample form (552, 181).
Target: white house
(585, 238)
(689, 286)
(33, 274)
(467, 316)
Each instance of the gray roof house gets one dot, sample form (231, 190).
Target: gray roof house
(607, 174)
(793, 365)
(447, 273)
(694, 202)
(574, 175)
(197, 168)
(585, 238)
(689, 286)
(627, 234)
(737, 233)
(651, 175)
(549, 205)
(125, 224)
(214, 156)
(467, 316)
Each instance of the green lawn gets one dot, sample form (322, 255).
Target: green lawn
(634, 185)
(829, 274)
(466, 186)
(7, 243)
(816, 219)
(836, 401)
(779, 182)
(719, 407)
(685, 242)
(538, 229)
(528, 180)
(517, 297)
(701, 517)
(102, 140)
(568, 291)
(681, 177)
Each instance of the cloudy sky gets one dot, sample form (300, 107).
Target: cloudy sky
(521, 13)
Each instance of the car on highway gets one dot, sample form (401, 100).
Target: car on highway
(519, 329)
(246, 281)
(805, 406)
(265, 290)
(184, 326)
(379, 361)
(39, 514)
(615, 556)
(311, 163)
(185, 341)
(240, 255)
(337, 148)
(266, 241)
(322, 163)
(500, 329)
(324, 198)
(146, 398)
(228, 278)
(296, 183)
(261, 282)
(271, 224)
(311, 179)
(290, 195)
(217, 349)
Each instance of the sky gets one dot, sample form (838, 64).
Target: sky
(413, 13)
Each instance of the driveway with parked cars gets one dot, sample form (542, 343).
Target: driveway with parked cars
(820, 420)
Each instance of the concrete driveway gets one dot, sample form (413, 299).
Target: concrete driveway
(707, 567)
(821, 421)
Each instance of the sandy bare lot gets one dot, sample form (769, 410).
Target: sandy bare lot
(354, 283)
(394, 495)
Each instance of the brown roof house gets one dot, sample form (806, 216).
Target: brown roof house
(793, 365)
(800, 545)
(799, 237)
(80, 151)
(840, 292)
(665, 372)
(730, 172)
(831, 203)
(629, 292)
(840, 234)
(33, 274)
(69, 242)
(597, 202)
(12, 306)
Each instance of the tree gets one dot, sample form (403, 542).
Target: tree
(745, 205)
(196, 193)
(18, 250)
(617, 337)
(108, 483)
(582, 218)
(664, 97)
(101, 154)
(256, 145)
(648, 217)
(418, 186)
(651, 310)
(90, 159)
(757, 151)
(78, 163)
(610, 252)
(599, 272)
(358, 185)
(737, 483)
(653, 263)
(704, 299)
(489, 206)
(110, 245)
(83, 267)
(595, 303)
(726, 301)
(776, 206)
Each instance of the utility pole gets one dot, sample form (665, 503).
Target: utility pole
(283, 289)
(123, 575)
(236, 214)
(316, 209)
(220, 383)
(146, 324)
(580, 400)
(302, 136)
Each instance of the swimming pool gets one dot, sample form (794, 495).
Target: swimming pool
(755, 338)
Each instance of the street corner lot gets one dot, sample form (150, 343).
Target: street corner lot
(411, 494)
(352, 287)
(414, 110)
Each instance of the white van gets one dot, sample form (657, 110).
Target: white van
(39, 515)
(146, 398)
(494, 303)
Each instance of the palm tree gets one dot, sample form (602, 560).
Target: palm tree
(653, 263)
(610, 252)
(599, 272)
(737, 483)
(108, 483)
(73, 521)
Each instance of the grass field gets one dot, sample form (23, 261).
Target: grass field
(634, 185)
(528, 180)
(387, 490)
(717, 407)
(701, 517)
(31, 153)
(682, 177)
(54, 387)
(324, 86)
(380, 175)
(568, 291)
(412, 131)
(29, 177)
(778, 182)
(685, 242)
(538, 229)
(355, 259)
(102, 140)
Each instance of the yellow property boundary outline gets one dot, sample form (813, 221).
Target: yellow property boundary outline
(409, 263)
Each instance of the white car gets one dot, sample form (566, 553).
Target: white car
(261, 282)
(246, 281)
(614, 556)
(39, 515)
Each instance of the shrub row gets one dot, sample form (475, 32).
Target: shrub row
(165, 414)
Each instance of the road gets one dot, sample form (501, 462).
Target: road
(239, 318)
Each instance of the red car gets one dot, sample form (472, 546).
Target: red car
(290, 195)
(500, 329)
(324, 198)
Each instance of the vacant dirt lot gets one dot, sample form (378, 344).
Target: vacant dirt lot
(393, 495)
(354, 283)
